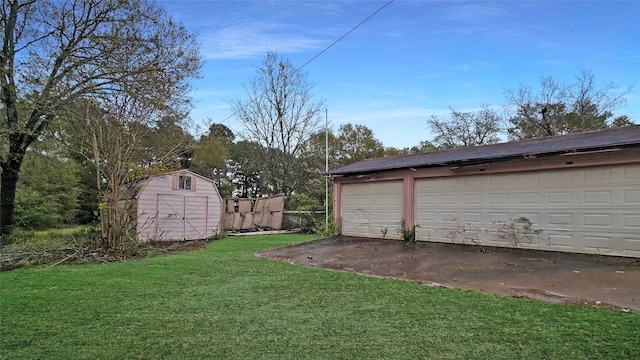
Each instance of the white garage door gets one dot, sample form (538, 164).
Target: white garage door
(590, 210)
(372, 209)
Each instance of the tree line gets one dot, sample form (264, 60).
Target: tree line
(98, 74)
(93, 97)
(551, 108)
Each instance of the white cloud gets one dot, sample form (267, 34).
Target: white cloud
(398, 127)
(254, 40)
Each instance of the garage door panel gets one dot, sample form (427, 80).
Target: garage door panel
(394, 217)
(631, 197)
(591, 210)
(597, 197)
(632, 173)
(449, 199)
(561, 241)
(560, 177)
(426, 217)
(363, 203)
(497, 182)
(427, 200)
(473, 217)
(349, 215)
(472, 199)
(560, 219)
(632, 243)
(565, 197)
(530, 217)
(378, 216)
(449, 216)
(498, 199)
(349, 229)
(498, 217)
(527, 179)
(379, 209)
(632, 221)
(597, 175)
(598, 243)
(527, 198)
(597, 220)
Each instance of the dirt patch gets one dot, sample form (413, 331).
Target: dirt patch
(579, 279)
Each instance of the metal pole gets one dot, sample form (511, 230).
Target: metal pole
(326, 170)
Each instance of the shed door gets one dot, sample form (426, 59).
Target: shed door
(591, 210)
(181, 217)
(372, 209)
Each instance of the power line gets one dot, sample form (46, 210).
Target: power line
(346, 34)
(332, 44)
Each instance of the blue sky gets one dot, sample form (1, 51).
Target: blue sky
(413, 59)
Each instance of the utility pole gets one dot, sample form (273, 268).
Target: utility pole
(326, 170)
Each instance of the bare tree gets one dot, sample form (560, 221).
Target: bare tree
(466, 128)
(593, 107)
(280, 116)
(57, 52)
(538, 113)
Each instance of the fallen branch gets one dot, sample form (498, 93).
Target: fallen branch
(67, 258)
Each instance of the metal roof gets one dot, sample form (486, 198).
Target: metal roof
(553, 145)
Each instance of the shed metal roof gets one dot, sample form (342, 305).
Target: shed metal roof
(576, 142)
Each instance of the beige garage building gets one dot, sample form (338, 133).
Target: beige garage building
(577, 193)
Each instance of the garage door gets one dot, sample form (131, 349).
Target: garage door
(590, 210)
(372, 209)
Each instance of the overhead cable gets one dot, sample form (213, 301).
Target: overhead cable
(345, 35)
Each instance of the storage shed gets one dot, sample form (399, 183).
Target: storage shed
(576, 193)
(179, 205)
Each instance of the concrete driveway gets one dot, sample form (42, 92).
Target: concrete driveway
(587, 280)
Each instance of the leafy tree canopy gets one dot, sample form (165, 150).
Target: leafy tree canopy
(57, 53)
(554, 108)
(466, 128)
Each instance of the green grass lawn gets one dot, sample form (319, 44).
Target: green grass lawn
(223, 303)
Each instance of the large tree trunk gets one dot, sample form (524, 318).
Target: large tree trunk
(10, 172)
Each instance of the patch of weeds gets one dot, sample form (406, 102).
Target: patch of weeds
(221, 234)
(407, 234)
(310, 222)
(517, 231)
(130, 247)
(28, 248)
(54, 239)
(322, 227)
(462, 231)
(17, 237)
(331, 228)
